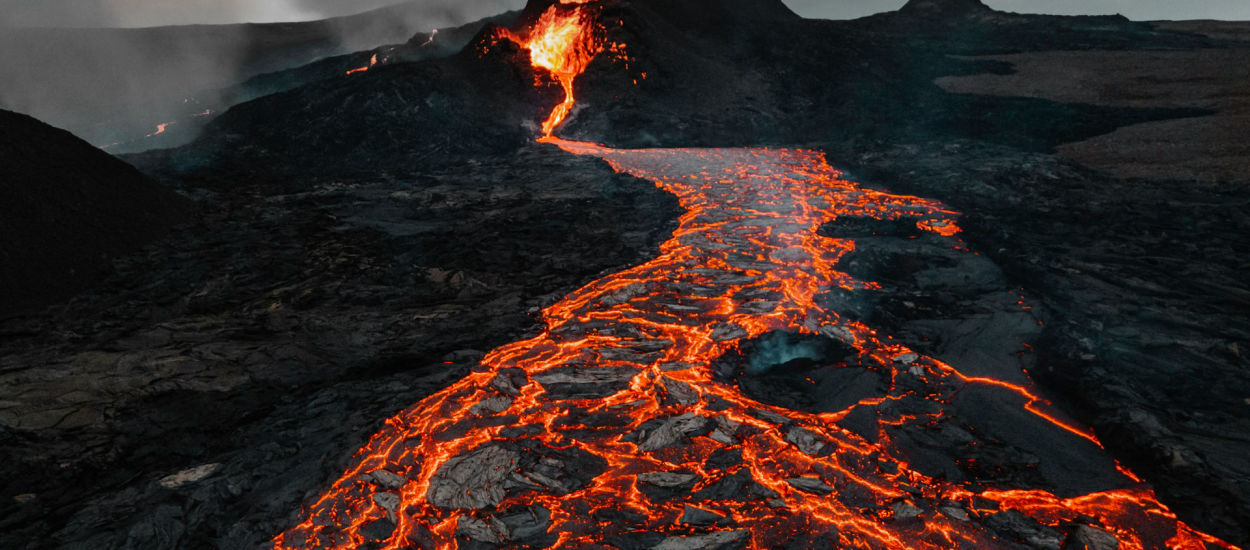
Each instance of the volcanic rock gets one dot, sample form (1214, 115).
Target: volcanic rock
(388, 479)
(189, 476)
(473, 480)
(720, 540)
(1095, 265)
(806, 440)
(308, 314)
(661, 433)
(810, 485)
(490, 531)
(387, 501)
(67, 210)
(440, 43)
(903, 510)
(1085, 537)
(393, 119)
(693, 515)
(739, 486)
(527, 523)
(663, 486)
(379, 530)
(578, 382)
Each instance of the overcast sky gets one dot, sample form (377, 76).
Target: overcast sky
(129, 13)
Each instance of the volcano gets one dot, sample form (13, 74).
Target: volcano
(658, 274)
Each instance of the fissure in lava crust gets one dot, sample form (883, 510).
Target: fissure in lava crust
(581, 436)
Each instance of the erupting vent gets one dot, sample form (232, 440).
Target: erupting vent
(563, 41)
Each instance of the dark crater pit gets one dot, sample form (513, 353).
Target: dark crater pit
(801, 372)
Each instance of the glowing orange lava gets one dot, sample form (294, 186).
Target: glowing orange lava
(373, 61)
(746, 260)
(160, 129)
(563, 42)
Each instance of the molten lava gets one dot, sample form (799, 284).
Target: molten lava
(563, 41)
(567, 434)
(160, 129)
(430, 40)
(746, 260)
(373, 61)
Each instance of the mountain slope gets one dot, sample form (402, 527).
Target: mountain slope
(93, 81)
(399, 118)
(66, 209)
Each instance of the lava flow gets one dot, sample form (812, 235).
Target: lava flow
(611, 428)
(373, 62)
(160, 129)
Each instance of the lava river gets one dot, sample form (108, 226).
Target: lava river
(611, 428)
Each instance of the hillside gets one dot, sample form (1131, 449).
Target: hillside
(66, 210)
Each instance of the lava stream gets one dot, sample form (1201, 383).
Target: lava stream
(373, 62)
(571, 430)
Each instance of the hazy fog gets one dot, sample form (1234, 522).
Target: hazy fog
(131, 13)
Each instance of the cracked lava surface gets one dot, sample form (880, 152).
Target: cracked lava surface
(613, 429)
(570, 439)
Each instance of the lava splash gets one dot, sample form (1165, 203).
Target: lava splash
(611, 428)
(563, 41)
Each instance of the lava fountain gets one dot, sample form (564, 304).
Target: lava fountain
(610, 429)
(564, 41)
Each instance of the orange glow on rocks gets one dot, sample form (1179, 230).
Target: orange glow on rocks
(620, 384)
(160, 129)
(373, 61)
(563, 42)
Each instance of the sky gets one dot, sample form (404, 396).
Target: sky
(134, 13)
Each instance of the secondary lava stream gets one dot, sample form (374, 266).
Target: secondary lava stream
(570, 439)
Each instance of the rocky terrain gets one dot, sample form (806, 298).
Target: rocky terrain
(67, 210)
(1204, 147)
(368, 237)
(264, 343)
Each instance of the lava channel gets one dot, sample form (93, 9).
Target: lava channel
(565, 440)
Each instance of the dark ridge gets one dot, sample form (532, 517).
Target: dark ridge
(437, 44)
(944, 8)
(67, 209)
(110, 85)
(394, 119)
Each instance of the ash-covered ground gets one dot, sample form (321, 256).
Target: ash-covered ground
(360, 241)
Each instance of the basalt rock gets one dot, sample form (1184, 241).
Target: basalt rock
(66, 210)
(311, 315)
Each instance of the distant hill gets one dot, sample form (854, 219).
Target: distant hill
(66, 209)
(108, 84)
